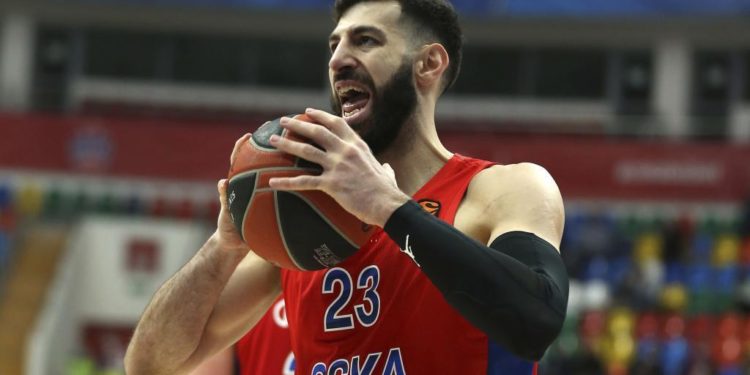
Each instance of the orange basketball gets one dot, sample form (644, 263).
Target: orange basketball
(305, 230)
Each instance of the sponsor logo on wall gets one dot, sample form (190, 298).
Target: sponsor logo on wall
(142, 264)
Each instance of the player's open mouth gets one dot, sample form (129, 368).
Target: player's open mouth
(355, 100)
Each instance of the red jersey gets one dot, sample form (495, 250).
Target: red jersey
(265, 349)
(377, 313)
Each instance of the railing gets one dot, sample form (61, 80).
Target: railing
(563, 116)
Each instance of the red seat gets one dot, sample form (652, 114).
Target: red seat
(726, 351)
(744, 257)
(591, 328)
(700, 329)
(647, 325)
(729, 325)
(673, 326)
(745, 332)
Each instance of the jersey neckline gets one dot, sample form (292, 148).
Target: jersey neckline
(454, 159)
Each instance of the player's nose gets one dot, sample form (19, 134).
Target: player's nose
(341, 59)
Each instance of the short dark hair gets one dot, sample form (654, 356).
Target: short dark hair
(436, 20)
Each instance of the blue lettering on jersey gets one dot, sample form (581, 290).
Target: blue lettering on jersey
(394, 365)
(290, 365)
(368, 280)
(367, 312)
(319, 369)
(367, 367)
(501, 361)
(339, 367)
(334, 320)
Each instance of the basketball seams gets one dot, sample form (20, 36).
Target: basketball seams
(297, 161)
(264, 148)
(280, 230)
(242, 174)
(270, 149)
(249, 201)
(325, 219)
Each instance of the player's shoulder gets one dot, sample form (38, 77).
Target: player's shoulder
(519, 180)
(520, 196)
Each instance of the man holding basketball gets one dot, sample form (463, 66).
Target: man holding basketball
(475, 286)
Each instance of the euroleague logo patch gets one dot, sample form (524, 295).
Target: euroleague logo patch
(431, 206)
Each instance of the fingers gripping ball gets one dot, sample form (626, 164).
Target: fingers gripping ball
(304, 230)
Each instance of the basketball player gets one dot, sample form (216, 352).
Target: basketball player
(474, 286)
(264, 350)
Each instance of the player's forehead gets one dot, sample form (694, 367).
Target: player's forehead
(380, 15)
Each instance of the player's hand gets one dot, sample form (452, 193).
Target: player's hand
(351, 173)
(226, 233)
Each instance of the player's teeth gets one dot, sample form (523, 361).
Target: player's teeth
(346, 89)
(351, 113)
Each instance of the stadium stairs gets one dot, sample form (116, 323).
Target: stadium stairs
(29, 277)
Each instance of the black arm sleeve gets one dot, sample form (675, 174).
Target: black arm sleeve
(516, 290)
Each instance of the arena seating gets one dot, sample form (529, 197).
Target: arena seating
(649, 294)
(655, 295)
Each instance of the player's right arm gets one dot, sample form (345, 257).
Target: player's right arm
(206, 306)
(220, 364)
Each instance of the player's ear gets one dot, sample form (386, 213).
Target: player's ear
(432, 60)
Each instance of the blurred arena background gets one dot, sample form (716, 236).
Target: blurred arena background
(118, 117)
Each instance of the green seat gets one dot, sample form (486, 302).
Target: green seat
(53, 203)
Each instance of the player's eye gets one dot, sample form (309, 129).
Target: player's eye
(333, 46)
(367, 41)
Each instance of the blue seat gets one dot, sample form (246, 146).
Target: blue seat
(574, 223)
(617, 270)
(6, 196)
(674, 273)
(674, 356)
(647, 349)
(596, 269)
(699, 277)
(725, 278)
(733, 370)
(702, 246)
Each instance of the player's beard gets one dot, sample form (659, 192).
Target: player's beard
(392, 105)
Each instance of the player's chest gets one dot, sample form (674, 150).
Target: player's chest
(359, 293)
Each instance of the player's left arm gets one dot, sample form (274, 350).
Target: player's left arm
(514, 287)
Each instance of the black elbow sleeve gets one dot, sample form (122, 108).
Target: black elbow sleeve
(526, 310)
(516, 290)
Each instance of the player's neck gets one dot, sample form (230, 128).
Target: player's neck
(417, 154)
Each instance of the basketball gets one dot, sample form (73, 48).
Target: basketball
(303, 230)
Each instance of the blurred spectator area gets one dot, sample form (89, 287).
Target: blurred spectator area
(49, 270)
(655, 290)
(676, 75)
(657, 287)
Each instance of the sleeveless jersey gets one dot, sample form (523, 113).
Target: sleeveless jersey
(265, 349)
(377, 313)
